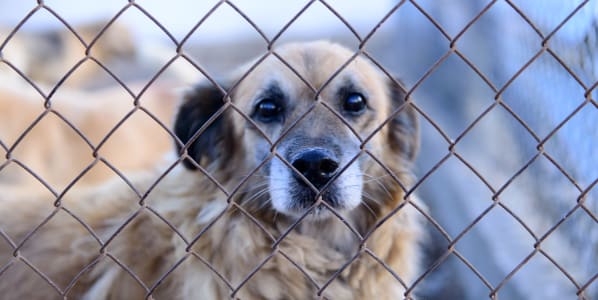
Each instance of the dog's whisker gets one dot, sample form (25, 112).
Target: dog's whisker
(381, 184)
(253, 188)
(368, 207)
(373, 199)
(256, 196)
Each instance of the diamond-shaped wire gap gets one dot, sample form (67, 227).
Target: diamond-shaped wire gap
(421, 210)
(336, 30)
(104, 53)
(536, 270)
(525, 196)
(147, 241)
(465, 29)
(545, 42)
(177, 28)
(115, 47)
(484, 55)
(455, 104)
(86, 122)
(53, 245)
(132, 63)
(384, 14)
(454, 180)
(541, 107)
(386, 267)
(453, 19)
(410, 55)
(251, 224)
(65, 14)
(484, 148)
(210, 56)
(572, 147)
(124, 124)
(410, 91)
(43, 55)
(229, 200)
(42, 162)
(257, 14)
(496, 230)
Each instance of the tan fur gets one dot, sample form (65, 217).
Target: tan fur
(233, 245)
(56, 152)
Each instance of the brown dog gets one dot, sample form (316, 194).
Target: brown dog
(280, 197)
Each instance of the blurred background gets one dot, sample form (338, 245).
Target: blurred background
(506, 92)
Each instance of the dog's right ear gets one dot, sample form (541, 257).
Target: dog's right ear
(216, 142)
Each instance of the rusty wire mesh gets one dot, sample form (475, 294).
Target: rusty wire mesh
(180, 54)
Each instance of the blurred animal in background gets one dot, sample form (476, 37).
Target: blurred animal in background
(55, 134)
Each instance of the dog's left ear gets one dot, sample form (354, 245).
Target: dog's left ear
(216, 142)
(404, 128)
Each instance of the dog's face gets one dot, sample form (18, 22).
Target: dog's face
(313, 134)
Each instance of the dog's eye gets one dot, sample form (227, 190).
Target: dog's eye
(354, 103)
(268, 111)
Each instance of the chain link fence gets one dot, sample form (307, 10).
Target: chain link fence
(523, 198)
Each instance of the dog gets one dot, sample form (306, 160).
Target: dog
(290, 183)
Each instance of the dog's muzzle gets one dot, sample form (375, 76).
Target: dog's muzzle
(316, 165)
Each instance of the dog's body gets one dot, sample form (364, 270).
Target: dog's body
(244, 223)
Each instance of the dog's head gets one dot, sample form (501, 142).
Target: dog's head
(314, 134)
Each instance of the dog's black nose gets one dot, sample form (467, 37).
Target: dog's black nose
(316, 165)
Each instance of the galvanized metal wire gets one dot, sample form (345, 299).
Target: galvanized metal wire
(179, 53)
